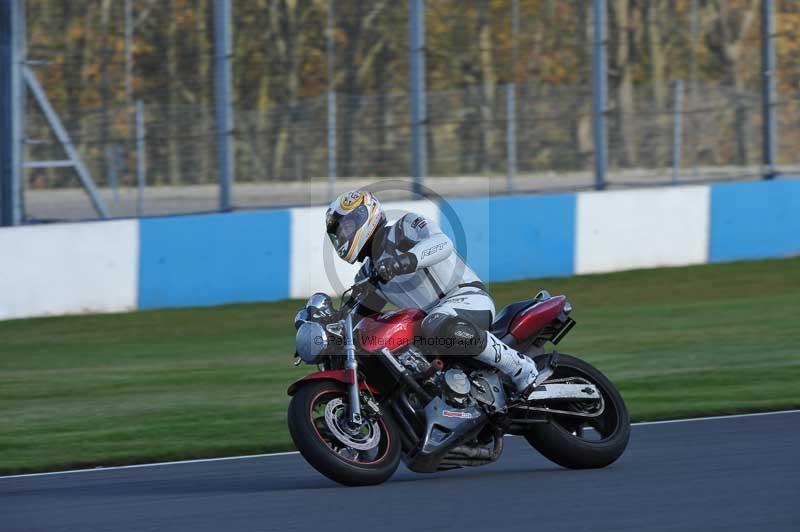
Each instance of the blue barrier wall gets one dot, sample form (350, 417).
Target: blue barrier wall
(755, 220)
(214, 259)
(514, 237)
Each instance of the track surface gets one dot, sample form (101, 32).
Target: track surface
(727, 474)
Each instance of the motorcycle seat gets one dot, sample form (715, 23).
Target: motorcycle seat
(502, 322)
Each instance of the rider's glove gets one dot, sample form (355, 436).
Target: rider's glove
(400, 264)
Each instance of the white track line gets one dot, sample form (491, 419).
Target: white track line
(711, 418)
(288, 453)
(155, 464)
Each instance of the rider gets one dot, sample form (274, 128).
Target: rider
(419, 268)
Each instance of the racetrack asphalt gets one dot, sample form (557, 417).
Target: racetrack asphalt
(726, 474)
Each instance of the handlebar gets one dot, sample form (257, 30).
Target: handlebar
(359, 291)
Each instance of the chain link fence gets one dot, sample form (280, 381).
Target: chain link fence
(509, 98)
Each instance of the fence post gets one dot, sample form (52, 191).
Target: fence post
(331, 103)
(224, 112)
(511, 135)
(677, 129)
(511, 101)
(416, 38)
(331, 143)
(769, 129)
(141, 158)
(112, 177)
(128, 34)
(12, 55)
(600, 92)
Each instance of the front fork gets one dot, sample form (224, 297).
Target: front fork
(351, 366)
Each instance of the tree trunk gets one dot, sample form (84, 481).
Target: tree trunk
(729, 40)
(173, 115)
(383, 109)
(581, 121)
(658, 79)
(106, 90)
(626, 111)
(487, 134)
(207, 169)
(353, 30)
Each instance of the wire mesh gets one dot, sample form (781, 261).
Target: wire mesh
(94, 75)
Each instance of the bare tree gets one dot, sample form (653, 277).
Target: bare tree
(623, 74)
(726, 38)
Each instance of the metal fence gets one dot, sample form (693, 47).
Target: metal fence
(321, 95)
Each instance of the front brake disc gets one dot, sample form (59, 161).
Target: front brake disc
(335, 412)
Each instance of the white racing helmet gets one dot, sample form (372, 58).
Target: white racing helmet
(351, 220)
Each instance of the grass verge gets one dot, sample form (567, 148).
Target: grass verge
(175, 384)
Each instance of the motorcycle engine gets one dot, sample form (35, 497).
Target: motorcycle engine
(413, 359)
(456, 387)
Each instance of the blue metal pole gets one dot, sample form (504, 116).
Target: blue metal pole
(141, 158)
(769, 129)
(331, 102)
(223, 52)
(600, 92)
(511, 135)
(330, 53)
(6, 106)
(12, 54)
(677, 129)
(511, 101)
(416, 38)
(74, 158)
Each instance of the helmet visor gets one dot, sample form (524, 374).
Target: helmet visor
(342, 228)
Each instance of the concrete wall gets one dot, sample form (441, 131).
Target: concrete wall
(68, 269)
(275, 254)
(755, 220)
(214, 259)
(514, 237)
(624, 230)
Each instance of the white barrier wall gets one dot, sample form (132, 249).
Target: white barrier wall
(68, 269)
(314, 265)
(624, 230)
(164, 262)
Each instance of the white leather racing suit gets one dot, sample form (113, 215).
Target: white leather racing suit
(459, 309)
(442, 282)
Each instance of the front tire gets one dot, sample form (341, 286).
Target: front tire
(562, 440)
(363, 458)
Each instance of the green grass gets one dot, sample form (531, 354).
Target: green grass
(172, 384)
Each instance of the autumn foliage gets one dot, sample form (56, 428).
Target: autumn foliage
(94, 73)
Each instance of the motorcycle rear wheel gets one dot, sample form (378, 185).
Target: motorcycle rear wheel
(564, 440)
(359, 458)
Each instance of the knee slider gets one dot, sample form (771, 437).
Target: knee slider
(452, 335)
(469, 340)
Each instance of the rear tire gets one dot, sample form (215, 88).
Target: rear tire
(556, 440)
(316, 442)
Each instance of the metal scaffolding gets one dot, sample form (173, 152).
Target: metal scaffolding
(420, 131)
(13, 62)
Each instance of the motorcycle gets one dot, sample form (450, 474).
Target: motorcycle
(392, 397)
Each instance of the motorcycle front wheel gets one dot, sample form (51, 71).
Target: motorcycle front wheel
(584, 443)
(353, 456)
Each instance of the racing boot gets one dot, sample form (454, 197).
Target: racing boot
(519, 369)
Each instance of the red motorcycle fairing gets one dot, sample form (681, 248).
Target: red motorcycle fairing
(534, 318)
(338, 375)
(393, 330)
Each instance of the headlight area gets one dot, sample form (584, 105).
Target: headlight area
(311, 342)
